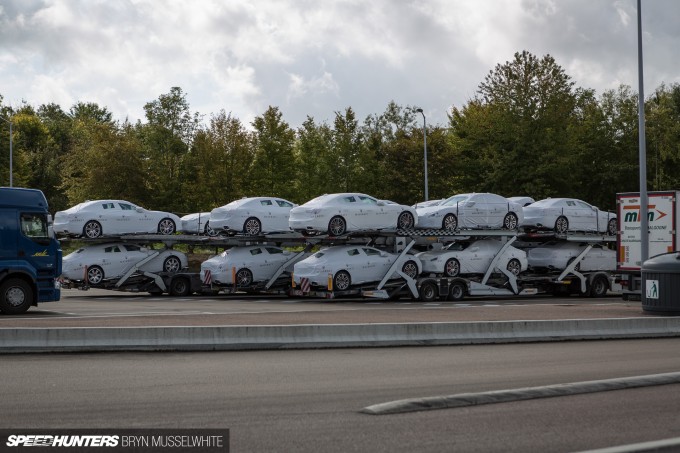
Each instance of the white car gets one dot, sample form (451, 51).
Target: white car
(93, 219)
(472, 211)
(250, 264)
(568, 214)
(463, 258)
(340, 213)
(350, 265)
(252, 216)
(96, 263)
(558, 255)
(197, 223)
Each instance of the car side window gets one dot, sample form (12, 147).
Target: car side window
(353, 252)
(255, 251)
(112, 249)
(108, 205)
(349, 199)
(368, 200)
(126, 207)
(284, 204)
(583, 205)
(266, 202)
(273, 250)
(371, 252)
(571, 203)
(132, 248)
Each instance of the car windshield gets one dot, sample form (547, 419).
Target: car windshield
(319, 254)
(543, 203)
(453, 201)
(457, 246)
(319, 200)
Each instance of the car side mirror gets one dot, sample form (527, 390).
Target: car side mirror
(474, 249)
(139, 209)
(594, 208)
(470, 204)
(383, 254)
(381, 203)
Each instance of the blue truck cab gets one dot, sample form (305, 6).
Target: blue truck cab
(30, 255)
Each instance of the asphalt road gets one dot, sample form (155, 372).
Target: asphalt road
(309, 400)
(113, 308)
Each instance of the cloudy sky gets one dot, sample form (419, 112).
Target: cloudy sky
(316, 57)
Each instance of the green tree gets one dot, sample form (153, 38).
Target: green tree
(313, 152)
(167, 138)
(274, 164)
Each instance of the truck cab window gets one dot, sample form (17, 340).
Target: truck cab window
(34, 227)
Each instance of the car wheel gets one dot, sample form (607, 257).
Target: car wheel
(244, 278)
(514, 266)
(166, 226)
(599, 287)
(92, 229)
(410, 268)
(561, 225)
(252, 226)
(16, 296)
(405, 221)
(180, 287)
(612, 227)
(450, 222)
(337, 226)
(510, 221)
(452, 267)
(209, 231)
(342, 281)
(95, 275)
(172, 264)
(428, 291)
(457, 291)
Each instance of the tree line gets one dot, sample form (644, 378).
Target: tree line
(528, 130)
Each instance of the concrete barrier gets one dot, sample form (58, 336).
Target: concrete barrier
(213, 338)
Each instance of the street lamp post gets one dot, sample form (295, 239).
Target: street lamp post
(10, 148)
(424, 149)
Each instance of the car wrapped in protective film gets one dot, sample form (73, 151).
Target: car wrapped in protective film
(472, 257)
(93, 219)
(568, 214)
(471, 211)
(340, 213)
(350, 265)
(96, 263)
(558, 255)
(252, 216)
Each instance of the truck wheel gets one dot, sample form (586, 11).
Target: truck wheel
(16, 296)
(599, 287)
(457, 291)
(180, 287)
(429, 291)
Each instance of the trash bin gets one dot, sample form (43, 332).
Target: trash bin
(661, 284)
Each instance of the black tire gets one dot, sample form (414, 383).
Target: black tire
(16, 296)
(92, 229)
(510, 221)
(244, 278)
(561, 225)
(612, 227)
(180, 287)
(342, 281)
(450, 222)
(452, 267)
(95, 275)
(457, 291)
(429, 291)
(405, 221)
(514, 266)
(599, 287)
(167, 226)
(337, 226)
(172, 264)
(410, 268)
(252, 226)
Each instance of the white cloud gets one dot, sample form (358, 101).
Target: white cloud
(316, 58)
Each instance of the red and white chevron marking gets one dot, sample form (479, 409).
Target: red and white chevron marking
(207, 277)
(305, 285)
